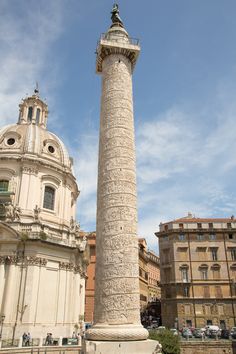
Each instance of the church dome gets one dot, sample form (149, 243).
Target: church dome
(29, 136)
(35, 168)
(33, 141)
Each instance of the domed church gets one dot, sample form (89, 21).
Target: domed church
(43, 257)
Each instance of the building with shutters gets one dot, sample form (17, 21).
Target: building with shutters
(198, 271)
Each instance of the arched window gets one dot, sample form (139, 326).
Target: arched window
(4, 185)
(30, 114)
(203, 271)
(49, 198)
(37, 115)
(216, 271)
(184, 272)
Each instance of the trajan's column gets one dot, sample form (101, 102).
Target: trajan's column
(117, 327)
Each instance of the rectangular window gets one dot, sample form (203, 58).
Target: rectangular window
(181, 226)
(199, 225)
(216, 273)
(200, 237)
(198, 309)
(49, 197)
(210, 225)
(187, 309)
(201, 253)
(218, 291)
(208, 309)
(181, 237)
(233, 254)
(182, 253)
(230, 236)
(214, 254)
(229, 225)
(212, 237)
(186, 291)
(233, 272)
(4, 185)
(220, 309)
(206, 291)
(204, 273)
(184, 274)
(189, 323)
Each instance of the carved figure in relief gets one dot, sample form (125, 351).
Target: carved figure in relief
(118, 241)
(83, 244)
(16, 212)
(111, 287)
(37, 211)
(9, 209)
(12, 212)
(77, 227)
(72, 223)
(125, 270)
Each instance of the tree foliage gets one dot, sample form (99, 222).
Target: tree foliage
(170, 342)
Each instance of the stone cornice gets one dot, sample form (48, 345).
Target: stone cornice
(39, 162)
(19, 260)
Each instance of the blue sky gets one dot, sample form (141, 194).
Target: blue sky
(184, 96)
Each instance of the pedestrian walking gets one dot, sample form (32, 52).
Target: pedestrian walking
(24, 337)
(28, 337)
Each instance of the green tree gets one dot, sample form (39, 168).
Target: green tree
(170, 342)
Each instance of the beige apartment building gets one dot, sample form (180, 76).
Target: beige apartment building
(143, 273)
(153, 268)
(149, 276)
(198, 271)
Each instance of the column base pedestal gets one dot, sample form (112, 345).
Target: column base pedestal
(133, 347)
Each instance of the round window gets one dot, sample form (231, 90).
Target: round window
(51, 149)
(11, 141)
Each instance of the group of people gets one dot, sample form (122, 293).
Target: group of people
(26, 339)
(49, 339)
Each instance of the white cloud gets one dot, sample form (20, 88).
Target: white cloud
(85, 162)
(181, 166)
(184, 164)
(27, 34)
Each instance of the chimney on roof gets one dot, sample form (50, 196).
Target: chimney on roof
(232, 217)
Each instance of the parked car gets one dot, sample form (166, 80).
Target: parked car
(197, 333)
(187, 333)
(233, 332)
(214, 333)
(161, 328)
(211, 328)
(225, 334)
(174, 331)
(154, 324)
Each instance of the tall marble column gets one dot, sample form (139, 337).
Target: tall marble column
(117, 299)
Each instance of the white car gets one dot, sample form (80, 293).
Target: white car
(174, 331)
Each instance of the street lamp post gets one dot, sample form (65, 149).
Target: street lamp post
(2, 321)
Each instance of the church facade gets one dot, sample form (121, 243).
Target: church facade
(43, 258)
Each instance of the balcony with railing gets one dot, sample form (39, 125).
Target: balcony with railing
(113, 37)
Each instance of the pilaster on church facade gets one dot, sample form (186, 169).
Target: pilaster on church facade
(43, 253)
